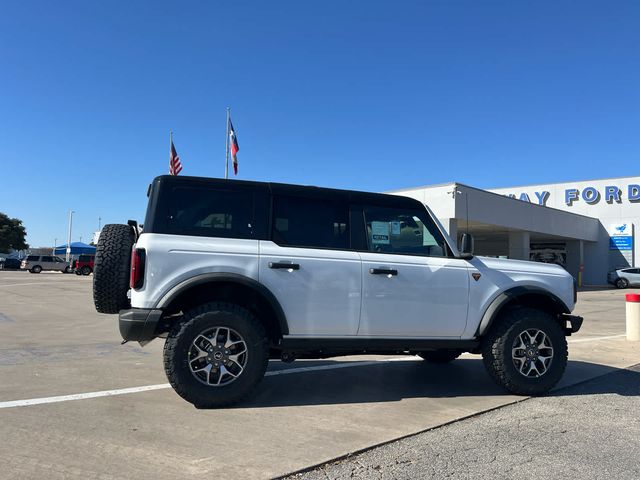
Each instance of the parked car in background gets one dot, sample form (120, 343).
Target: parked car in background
(38, 263)
(9, 263)
(84, 264)
(624, 277)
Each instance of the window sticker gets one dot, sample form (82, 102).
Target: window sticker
(380, 233)
(395, 228)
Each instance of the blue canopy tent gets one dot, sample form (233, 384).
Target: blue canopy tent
(77, 248)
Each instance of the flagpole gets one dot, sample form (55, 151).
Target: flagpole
(226, 144)
(170, 143)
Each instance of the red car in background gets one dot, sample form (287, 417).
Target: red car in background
(84, 264)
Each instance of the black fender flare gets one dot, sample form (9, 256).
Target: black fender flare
(219, 277)
(494, 308)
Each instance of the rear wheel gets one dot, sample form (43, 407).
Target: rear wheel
(622, 283)
(85, 270)
(440, 356)
(112, 267)
(526, 352)
(216, 355)
(36, 269)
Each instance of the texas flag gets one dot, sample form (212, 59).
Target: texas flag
(233, 142)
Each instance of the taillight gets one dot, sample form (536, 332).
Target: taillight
(137, 268)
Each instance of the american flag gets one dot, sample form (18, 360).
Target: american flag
(175, 167)
(233, 140)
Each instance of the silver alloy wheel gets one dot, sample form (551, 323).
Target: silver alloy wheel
(532, 353)
(217, 356)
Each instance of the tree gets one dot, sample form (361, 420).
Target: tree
(12, 234)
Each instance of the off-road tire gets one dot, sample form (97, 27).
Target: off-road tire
(194, 322)
(622, 283)
(440, 356)
(497, 350)
(36, 269)
(112, 267)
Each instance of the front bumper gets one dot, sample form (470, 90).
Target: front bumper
(139, 324)
(572, 323)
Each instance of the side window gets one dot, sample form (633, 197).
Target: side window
(400, 231)
(47, 259)
(210, 213)
(33, 258)
(58, 259)
(308, 222)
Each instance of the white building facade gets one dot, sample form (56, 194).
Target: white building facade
(589, 227)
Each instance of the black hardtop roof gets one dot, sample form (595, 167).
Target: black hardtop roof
(292, 189)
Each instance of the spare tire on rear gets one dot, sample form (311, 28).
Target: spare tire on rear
(112, 268)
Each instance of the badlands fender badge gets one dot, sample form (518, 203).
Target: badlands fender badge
(476, 276)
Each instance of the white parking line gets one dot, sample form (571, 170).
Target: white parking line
(34, 283)
(594, 339)
(81, 396)
(272, 373)
(146, 388)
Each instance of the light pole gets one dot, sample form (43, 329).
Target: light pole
(55, 244)
(71, 212)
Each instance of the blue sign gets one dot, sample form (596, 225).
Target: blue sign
(621, 243)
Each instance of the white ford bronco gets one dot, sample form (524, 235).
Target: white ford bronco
(235, 273)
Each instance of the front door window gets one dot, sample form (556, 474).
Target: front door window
(404, 232)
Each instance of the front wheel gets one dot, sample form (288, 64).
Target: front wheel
(622, 283)
(85, 270)
(216, 355)
(526, 351)
(36, 269)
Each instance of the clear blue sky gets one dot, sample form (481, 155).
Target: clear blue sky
(370, 95)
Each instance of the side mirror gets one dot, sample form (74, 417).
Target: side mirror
(466, 246)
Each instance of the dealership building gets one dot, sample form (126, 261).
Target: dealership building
(588, 226)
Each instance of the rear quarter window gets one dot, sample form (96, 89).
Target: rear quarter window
(208, 212)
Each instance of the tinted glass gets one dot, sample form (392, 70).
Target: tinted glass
(33, 258)
(400, 231)
(58, 259)
(210, 213)
(308, 222)
(47, 259)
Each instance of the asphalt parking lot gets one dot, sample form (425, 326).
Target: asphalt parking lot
(74, 403)
(590, 430)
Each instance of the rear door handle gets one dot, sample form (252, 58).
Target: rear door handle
(383, 271)
(284, 265)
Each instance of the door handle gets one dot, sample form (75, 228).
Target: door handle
(383, 271)
(284, 265)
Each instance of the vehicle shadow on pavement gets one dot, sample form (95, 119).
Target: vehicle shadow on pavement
(392, 382)
(622, 381)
